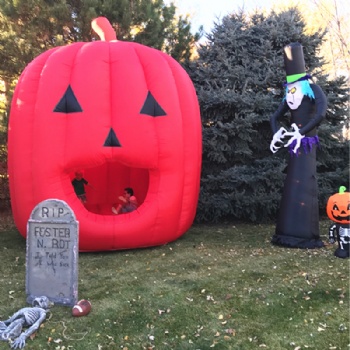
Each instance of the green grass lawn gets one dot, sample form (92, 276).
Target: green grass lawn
(221, 287)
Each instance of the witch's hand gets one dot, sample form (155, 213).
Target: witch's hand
(277, 139)
(294, 136)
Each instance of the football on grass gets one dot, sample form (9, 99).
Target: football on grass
(82, 308)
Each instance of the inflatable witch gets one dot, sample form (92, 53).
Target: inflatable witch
(298, 219)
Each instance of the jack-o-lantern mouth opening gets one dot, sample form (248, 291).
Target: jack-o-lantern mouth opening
(106, 182)
(345, 218)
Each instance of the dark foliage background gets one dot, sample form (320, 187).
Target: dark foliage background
(239, 78)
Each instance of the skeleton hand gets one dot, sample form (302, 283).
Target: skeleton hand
(19, 342)
(277, 138)
(295, 136)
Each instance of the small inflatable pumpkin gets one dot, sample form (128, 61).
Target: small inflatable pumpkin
(338, 210)
(124, 114)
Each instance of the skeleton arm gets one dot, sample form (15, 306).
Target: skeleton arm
(20, 342)
(331, 234)
(31, 317)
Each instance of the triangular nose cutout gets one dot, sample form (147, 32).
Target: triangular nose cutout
(112, 140)
(68, 103)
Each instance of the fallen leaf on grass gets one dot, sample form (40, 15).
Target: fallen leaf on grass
(342, 328)
(231, 331)
(210, 298)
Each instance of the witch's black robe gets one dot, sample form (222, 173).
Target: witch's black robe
(298, 218)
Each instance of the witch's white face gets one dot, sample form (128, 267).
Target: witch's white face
(294, 95)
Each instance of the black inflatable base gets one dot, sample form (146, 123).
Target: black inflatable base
(294, 242)
(342, 253)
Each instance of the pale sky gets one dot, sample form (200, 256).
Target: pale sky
(206, 12)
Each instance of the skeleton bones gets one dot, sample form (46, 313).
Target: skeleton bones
(32, 317)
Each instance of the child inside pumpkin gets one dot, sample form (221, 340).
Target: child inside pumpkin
(129, 202)
(79, 184)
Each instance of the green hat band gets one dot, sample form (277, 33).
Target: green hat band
(295, 77)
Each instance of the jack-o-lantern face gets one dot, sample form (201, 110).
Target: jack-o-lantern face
(338, 207)
(125, 114)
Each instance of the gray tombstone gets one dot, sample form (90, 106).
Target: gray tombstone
(52, 253)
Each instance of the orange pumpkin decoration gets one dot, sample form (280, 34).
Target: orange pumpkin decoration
(338, 206)
(125, 114)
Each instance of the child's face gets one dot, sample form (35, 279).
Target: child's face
(126, 195)
(78, 176)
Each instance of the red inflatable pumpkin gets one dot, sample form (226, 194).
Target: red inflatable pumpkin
(125, 114)
(338, 206)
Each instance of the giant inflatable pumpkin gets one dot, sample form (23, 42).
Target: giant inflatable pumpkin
(127, 116)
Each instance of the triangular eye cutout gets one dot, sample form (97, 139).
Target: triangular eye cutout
(112, 140)
(151, 107)
(68, 103)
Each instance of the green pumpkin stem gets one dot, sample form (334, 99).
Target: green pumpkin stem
(103, 29)
(342, 189)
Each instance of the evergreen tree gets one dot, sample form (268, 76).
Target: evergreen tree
(333, 155)
(151, 23)
(239, 79)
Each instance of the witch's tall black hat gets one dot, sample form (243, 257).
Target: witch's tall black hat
(294, 63)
